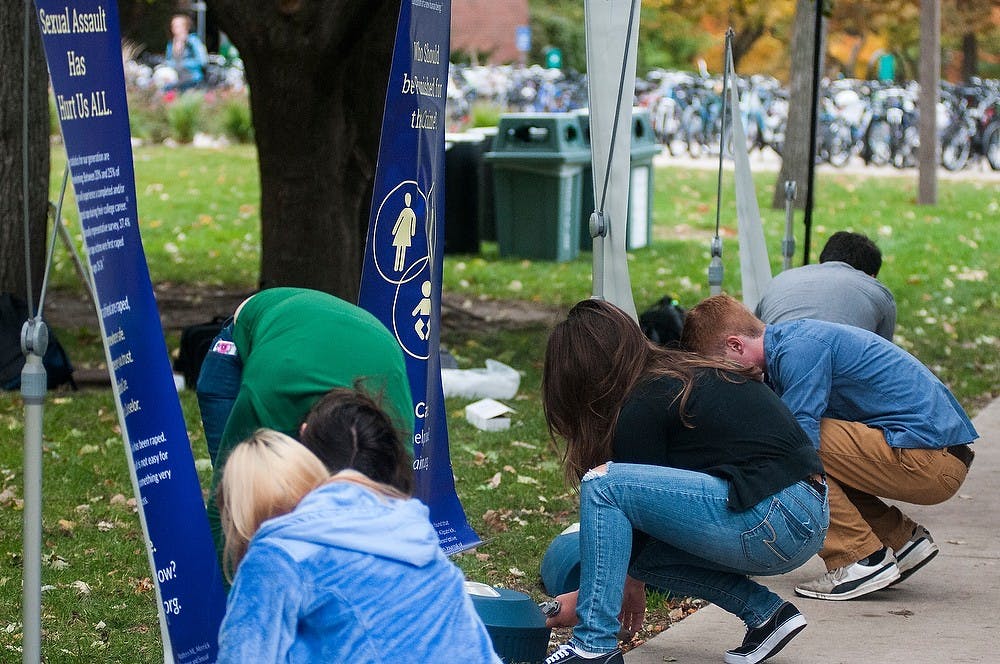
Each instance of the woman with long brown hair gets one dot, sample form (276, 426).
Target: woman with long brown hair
(696, 456)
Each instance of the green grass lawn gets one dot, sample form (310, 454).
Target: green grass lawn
(199, 217)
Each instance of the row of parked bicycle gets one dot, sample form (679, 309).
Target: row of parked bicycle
(876, 121)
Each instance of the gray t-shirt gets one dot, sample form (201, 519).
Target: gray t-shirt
(832, 291)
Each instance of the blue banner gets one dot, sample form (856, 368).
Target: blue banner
(401, 279)
(83, 48)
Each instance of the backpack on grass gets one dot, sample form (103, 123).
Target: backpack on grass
(196, 340)
(58, 368)
(662, 323)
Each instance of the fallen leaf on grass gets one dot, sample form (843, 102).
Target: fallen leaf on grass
(494, 481)
(81, 587)
(55, 561)
(67, 526)
(105, 526)
(516, 572)
(8, 497)
(494, 520)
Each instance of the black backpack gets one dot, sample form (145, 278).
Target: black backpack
(196, 340)
(662, 323)
(13, 313)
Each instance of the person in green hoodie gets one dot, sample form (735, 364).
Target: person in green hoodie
(295, 345)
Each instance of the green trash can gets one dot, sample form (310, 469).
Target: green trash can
(639, 227)
(639, 224)
(538, 160)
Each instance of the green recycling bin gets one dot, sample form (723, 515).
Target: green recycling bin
(538, 161)
(639, 224)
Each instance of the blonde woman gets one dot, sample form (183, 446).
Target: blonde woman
(336, 568)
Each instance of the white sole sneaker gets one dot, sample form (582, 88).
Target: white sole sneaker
(914, 556)
(883, 577)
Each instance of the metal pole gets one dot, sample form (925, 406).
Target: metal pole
(34, 341)
(811, 167)
(788, 244)
(34, 382)
(716, 270)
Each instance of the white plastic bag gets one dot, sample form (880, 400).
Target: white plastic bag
(496, 381)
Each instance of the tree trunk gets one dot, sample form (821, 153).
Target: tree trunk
(930, 79)
(13, 277)
(795, 155)
(970, 56)
(317, 72)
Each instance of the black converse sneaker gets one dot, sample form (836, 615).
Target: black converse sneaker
(567, 654)
(766, 640)
(867, 575)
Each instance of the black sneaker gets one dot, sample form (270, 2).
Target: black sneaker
(766, 640)
(568, 653)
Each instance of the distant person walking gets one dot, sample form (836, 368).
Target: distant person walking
(186, 54)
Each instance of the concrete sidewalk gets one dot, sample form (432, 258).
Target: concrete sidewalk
(949, 611)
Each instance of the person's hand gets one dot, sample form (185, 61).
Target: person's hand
(633, 606)
(567, 611)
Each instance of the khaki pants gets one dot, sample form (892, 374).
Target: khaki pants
(860, 466)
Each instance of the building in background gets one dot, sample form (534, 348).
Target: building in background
(484, 31)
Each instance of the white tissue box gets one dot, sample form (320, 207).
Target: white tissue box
(488, 415)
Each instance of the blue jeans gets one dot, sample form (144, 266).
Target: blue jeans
(218, 385)
(701, 548)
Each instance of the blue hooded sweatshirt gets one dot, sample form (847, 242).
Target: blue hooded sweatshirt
(350, 576)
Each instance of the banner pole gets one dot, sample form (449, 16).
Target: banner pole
(34, 382)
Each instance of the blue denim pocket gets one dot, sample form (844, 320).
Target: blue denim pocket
(217, 387)
(778, 543)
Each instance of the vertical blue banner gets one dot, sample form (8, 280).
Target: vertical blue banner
(401, 278)
(83, 48)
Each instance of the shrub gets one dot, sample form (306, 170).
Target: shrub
(485, 114)
(147, 115)
(237, 122)
(182, 116)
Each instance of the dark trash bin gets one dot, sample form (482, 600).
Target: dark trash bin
(462, 160)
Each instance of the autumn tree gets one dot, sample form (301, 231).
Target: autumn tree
(13, 276)
(317, 72)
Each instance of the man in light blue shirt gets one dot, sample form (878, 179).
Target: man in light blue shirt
(885, 427)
